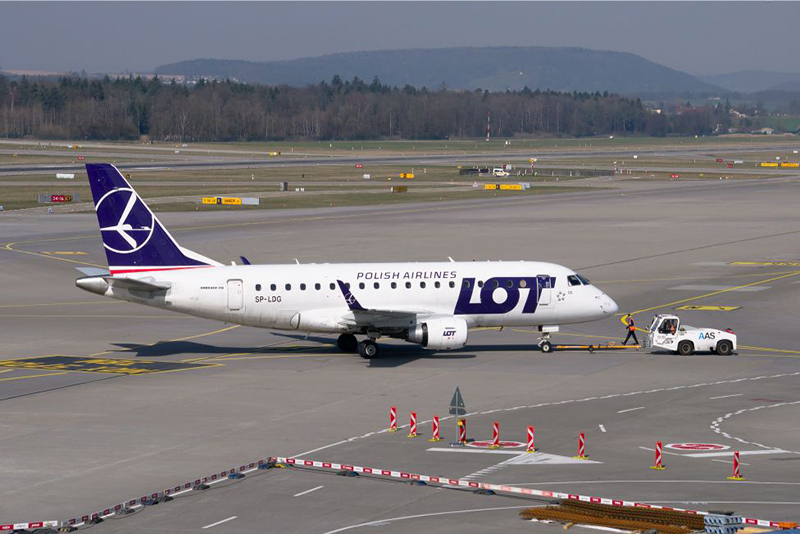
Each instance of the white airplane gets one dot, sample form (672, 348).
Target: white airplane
(431, 304)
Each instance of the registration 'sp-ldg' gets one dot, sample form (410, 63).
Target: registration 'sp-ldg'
(432, 304)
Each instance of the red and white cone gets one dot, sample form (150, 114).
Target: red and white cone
(435, 436)
(495, 435)
(737, 473)
(393, 419)
(412, 431)
(658, 461)
(581, 447)
(531, 439)
(462, 431)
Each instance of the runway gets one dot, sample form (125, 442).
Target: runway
(140, 400)
(157, 158)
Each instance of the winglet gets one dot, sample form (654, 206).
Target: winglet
(349, 298)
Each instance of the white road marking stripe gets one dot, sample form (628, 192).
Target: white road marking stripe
(728, 462)
(433, 514)
(473, 451)
(591, 482)
(306, 492)
(728, 453)
(699, 287)
(231, 518)
(602, 428)
(631, 409)
(726, 396)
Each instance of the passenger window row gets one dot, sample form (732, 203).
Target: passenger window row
(361, 285)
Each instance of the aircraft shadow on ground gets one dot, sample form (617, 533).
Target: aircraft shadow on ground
(175, 348)
(391, 355)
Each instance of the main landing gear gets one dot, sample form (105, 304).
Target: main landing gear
(347, 343)
(367, 349)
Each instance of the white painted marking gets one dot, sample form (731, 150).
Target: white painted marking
(631, 409)
(231, 518)
(728, 453)
(652, 481)
(306, 492)
(602, 428)
(543, 458)
(703, 287)
(663, 452)
(728, 462)
(604, 529)
(726, 396)
(418, 516)
(789, 503)
(472, 451)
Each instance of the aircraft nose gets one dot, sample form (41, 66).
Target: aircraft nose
(608, 305)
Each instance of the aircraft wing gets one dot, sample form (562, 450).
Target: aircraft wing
(362, 315)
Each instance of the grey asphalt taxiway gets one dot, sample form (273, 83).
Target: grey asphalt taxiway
(105, 401)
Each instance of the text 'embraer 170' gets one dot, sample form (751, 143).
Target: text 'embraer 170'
(431, 304)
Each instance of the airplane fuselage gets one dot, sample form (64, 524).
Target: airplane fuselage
(307, 297)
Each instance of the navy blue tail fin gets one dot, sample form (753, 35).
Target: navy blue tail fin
(134, 238)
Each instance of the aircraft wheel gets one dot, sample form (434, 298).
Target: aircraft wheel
(546, 346)
(368, 349)
(685, 348)
(724, 348)
(347, 343)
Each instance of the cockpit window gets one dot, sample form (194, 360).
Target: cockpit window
(584, 280)
(573, 280)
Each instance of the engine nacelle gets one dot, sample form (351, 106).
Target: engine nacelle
(440, 333)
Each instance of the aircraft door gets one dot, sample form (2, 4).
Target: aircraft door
(545, 290)
(235, 295)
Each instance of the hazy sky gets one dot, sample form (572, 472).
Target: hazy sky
(700, 38)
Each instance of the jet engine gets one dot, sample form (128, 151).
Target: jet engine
(440, 333)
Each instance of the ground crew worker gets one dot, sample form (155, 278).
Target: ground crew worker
(631, 330)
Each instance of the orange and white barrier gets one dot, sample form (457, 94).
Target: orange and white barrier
(657, 464)
(435, 435)
(412, 432)
(581, 447)
(495, 435)
(737, 470)
(218, 477)
(531, 439)
(462, 431)
(13, 527)
(393, 419)
(499, 488)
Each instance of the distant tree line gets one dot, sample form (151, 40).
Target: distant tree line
(128, 108)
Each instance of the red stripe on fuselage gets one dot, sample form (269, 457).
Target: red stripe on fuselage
(148, 269)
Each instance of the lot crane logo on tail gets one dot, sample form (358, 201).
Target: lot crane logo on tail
(130, 230)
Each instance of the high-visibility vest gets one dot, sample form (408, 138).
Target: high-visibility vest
(631, 326)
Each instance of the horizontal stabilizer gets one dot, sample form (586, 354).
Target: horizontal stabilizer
(93, 271)
(140, 285)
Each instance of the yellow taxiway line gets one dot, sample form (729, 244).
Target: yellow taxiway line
(32, 376)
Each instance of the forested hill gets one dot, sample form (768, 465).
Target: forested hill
(492, 68)
(127, 108)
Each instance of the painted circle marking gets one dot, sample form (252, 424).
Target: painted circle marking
(697, 446)
(487, 444)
